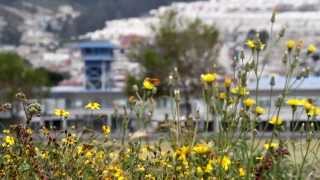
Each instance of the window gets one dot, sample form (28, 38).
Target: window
(68, 103)
(78, 103)
(87, 51)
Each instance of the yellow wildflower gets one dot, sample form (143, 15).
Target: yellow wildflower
(7, 159)
(149, 177)
(100, 155)
(112, 155)
(61, 113)
(249, 102)
(209, 167)
(225, 162)
(80, 149)
(261, 46)
(240, 91)
(70, 139)
(311, 49)
(276, 120)
(222, 95)
(140, 168)
(295, 102)
(44, 155)
(182, 152)
(313, 111)
(8, 141)
(145, 149)
(317, 111)
(271, 145)
(307, 105)
(106, 130)
(291, 44)
(199, 171)
(209, 77)
(29, 131)
(201, 148)
(242, 172)
(251, 44)
(260, 110)
(6, 131)
(150, 83)
(259, 158)
(88, 154)
(114, 171)
(93, 106)
(227, 82)
(44, 131)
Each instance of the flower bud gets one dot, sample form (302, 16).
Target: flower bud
(272, 80)
(227, 82)
(291, 44)
(311, 49)
(177, 94)
(5, 107)
(242, 56)
(273, 16)
(135, 88)
(170, 78)
(285, 58)
(197, 116)
(175, 69)
(154, 91)
(21, 96)
(282, 32)
(34, 109)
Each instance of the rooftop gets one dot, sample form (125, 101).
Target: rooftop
(309, 83)
(80, 89)
(95, 44)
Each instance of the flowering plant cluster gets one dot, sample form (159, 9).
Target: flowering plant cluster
(234, 151)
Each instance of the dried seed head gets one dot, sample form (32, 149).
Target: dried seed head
(34, 109)
(21, 96)
(282, 32)
(5, 107)
(177, 94)
(135, 88)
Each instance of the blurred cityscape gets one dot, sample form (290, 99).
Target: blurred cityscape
(40, 44)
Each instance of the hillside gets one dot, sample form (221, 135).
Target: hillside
(93, 13)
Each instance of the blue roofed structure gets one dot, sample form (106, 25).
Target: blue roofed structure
(94, 44)
(98, 57)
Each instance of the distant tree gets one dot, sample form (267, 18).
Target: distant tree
(190, 45)
(17, 75)
(54, 78)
